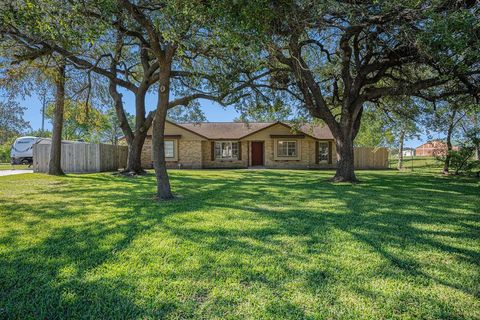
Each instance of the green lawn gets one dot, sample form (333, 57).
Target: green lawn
(8, 166)
(240, 244)
(430, 164)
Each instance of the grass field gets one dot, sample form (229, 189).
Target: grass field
(240, 244)
(8, 166)
(424, 164)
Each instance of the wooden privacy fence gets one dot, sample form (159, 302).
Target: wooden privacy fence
(82, 157)
(371, 158)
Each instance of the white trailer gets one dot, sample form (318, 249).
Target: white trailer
(22, 150)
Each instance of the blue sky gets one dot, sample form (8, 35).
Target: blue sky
(213, 112)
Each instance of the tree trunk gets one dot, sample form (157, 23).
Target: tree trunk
(344, 136)
(134, 157)
(54, 166)
(446, 165)
(135, 139)
(400, 150)
(163, 182)
(345, 160)
(158, 137)
(477, 145)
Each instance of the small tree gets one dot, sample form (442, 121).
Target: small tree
(375, 130)
(389, 123)
(448, 116)
(463, 160)
(403, 123)
(111, 130)
(46, 66)
(79, 122)
(12, 123)
(30, 65)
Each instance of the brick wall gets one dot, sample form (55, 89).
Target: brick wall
(307, 156)
(207, 157)
(433, 149)
(194, 153)
(147, 161)
(189, 154)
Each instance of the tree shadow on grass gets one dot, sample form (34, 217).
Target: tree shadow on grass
(265, 238)
(387, 223)
(50, 277)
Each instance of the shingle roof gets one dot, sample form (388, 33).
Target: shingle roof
(319, 132)
(238, 130)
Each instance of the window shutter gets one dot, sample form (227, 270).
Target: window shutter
(330, 152)
(317, 153)
(212, 151)
(239, 150)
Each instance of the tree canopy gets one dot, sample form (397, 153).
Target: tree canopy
(333, 61)
(331, 58)
(12, 123)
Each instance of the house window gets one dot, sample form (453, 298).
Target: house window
(226, 150)
(169, 149)
(323, 151)
(287, 148)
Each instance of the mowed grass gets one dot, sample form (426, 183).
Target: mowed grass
(240, 244)
(424, 164)
(8, 166)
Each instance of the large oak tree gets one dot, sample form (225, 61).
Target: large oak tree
(336, 56)
(169, 47)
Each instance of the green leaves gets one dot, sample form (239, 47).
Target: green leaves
(80, 122)
(452, 38)
(12, 123)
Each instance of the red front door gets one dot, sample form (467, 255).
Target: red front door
(257, 153)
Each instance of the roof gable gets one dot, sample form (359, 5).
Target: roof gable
(224, 130)
(182, 128)
(241, 130)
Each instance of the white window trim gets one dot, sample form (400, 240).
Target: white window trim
(226, 141)
(318, 155)
(293, 158)
(175, 150)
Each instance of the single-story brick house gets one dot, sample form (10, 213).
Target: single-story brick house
(434, 148)
(241, 145)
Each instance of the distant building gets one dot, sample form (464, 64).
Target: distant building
(434, 148)
(408, 152)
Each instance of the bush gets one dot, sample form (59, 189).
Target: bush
(462, 161)
(5, 152)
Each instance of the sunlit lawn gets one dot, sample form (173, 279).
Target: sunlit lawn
(424, 164)
(8, 166)
(240, 244)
